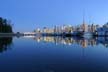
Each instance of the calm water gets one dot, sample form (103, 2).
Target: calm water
(53, 54)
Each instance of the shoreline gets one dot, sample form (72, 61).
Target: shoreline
(54, 35)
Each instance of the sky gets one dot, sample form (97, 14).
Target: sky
(27, 15)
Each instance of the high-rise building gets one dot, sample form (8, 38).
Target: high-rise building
(47, 30)
(89, 28)
(93, 28)
(84, 27)
(38, 30)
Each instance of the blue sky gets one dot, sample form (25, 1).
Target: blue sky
(27, 15)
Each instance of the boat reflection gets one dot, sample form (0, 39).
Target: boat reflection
(84, 42)
(5, 43)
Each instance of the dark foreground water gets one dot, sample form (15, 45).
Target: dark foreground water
(53, 54)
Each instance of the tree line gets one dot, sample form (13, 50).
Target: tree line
(5, 26)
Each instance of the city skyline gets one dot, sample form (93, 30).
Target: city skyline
(27, 15)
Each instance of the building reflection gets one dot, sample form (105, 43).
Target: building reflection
(75, 40)
(5, 43)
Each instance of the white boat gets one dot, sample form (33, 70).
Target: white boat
(88, 35)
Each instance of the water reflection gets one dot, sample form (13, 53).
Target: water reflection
(5, 43)
(75, 40)
(31, 56)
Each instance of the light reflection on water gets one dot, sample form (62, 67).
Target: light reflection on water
(53, 54)
(75, 40)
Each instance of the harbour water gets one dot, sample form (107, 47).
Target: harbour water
(53, 54)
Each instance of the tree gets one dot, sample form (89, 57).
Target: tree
(5, 26)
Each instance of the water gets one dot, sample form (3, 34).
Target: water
(53, 54)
